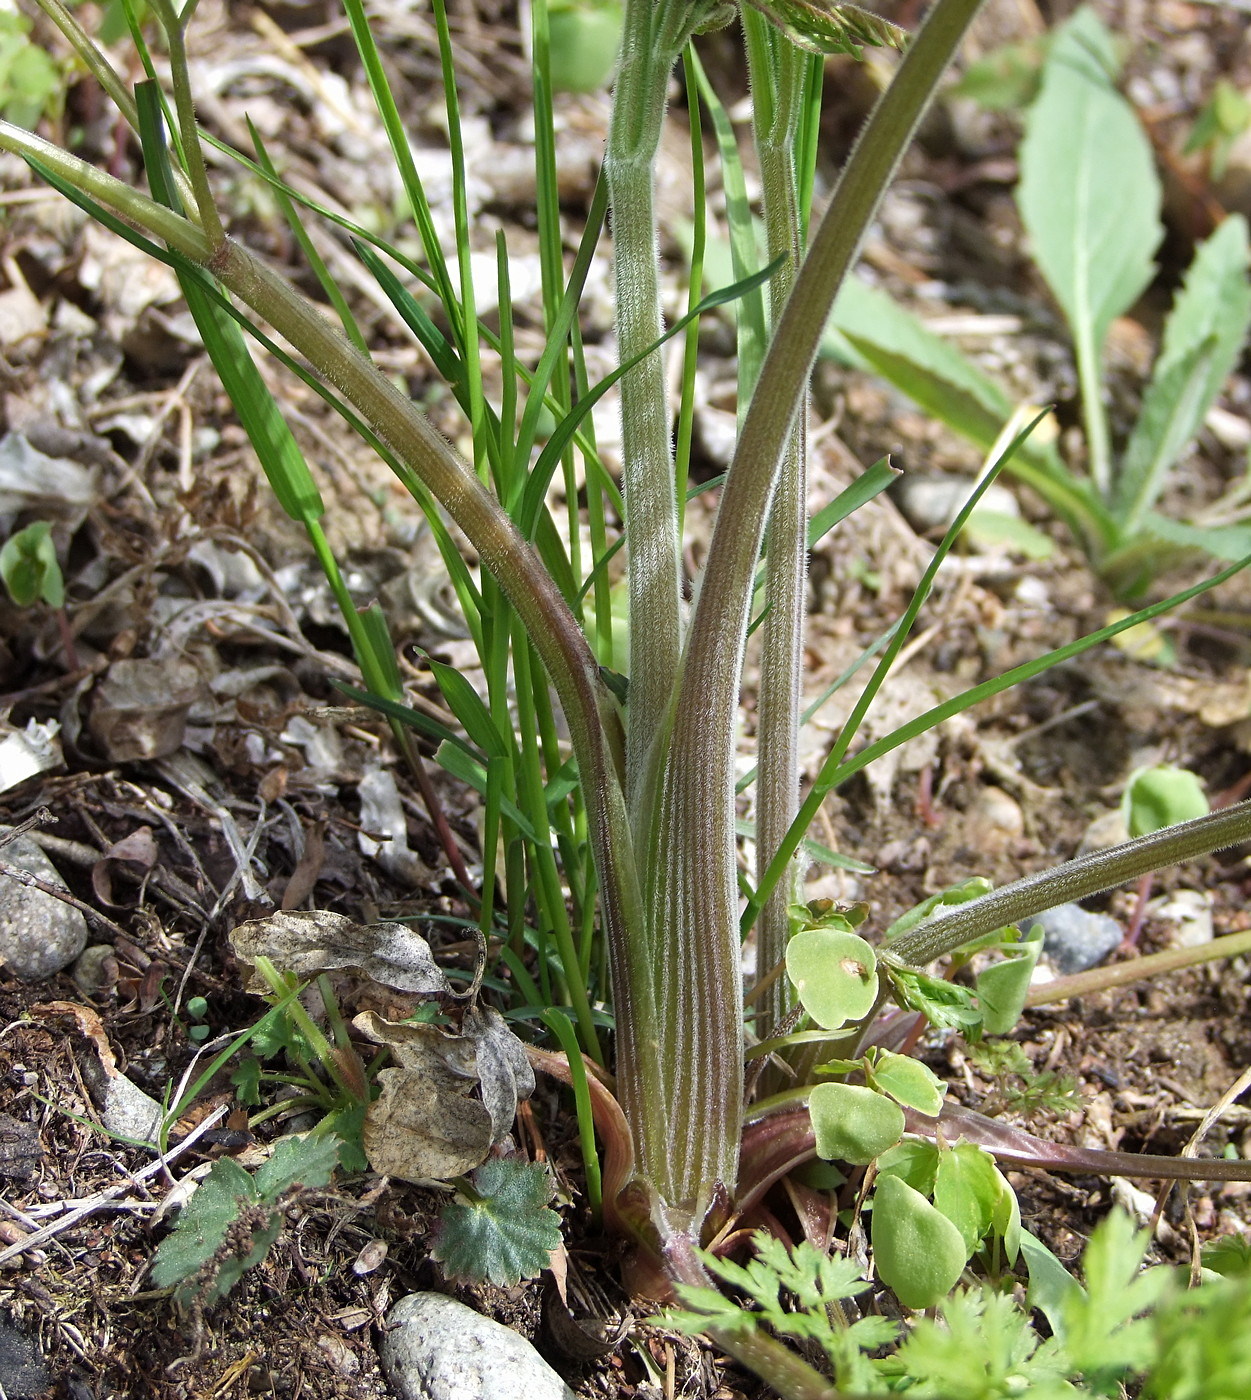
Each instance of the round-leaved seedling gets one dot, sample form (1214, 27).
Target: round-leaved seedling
(834, 973)
(919, 1254)
(852, 1123)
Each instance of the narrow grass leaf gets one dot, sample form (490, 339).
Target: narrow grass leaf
(280, 457)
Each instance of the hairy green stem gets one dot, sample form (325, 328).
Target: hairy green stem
(651, 498)
(1090, 874)
(691, 1134)
(777, 70)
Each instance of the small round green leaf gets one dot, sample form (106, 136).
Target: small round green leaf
(1160, 797)
(967, 1191)
(852, 1123)
(834, 973)
(917, 1251)
(910, 1082)
(915, 1161)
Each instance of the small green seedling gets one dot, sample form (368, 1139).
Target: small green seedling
(197, 1010)
(585, 39)
(31, 85)
(29, 567)
(1226, 116)
(1156, 798)
(1090, 201)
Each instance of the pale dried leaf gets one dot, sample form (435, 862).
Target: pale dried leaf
(308, 943)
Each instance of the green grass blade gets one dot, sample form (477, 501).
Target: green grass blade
(744, 245)
(545, 467)
(401, 152)
(836, 775)
(334, 294)
(283, 462)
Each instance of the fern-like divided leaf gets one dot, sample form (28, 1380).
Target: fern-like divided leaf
(503, 1230)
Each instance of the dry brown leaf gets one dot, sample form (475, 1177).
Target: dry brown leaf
(425, 1125)
(307, 943)
(88, 1023)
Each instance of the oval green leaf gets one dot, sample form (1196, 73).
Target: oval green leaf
(852, 1123)
(917, 1251)
(910, 1082)
(1160, 797)
(834, 973)
(967, 1191)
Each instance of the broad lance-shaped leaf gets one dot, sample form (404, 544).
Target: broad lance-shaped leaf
(1203, 338)
(1089, 198)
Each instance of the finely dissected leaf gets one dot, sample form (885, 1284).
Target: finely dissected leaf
(917, 1251)
(820, 27)
(1103, 1330)
(909, 1082)
(984, 1349)
(944, 1005)
(852, 1123)
(1204, 1344)
(834, 974)
(1089, 195)
(507, 1232)
(967, 1189)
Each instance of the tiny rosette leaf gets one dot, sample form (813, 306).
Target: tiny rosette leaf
(1156, 798)
(506, 1232)
(852, 1123)
(917, 1251)
(834, 974)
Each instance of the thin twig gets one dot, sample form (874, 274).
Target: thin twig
(105, 1198)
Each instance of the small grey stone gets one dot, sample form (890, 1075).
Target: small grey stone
(39, 934)
(22, 1370)
(1073, 938)
(437, 1349)
(931, 501)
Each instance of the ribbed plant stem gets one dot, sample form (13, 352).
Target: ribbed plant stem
(778, 64)
(651, 502)
(694, 918)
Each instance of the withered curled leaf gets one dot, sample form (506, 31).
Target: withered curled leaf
(428, 1123)
(308, 943)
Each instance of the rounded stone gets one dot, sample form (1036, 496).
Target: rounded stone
(438, 1349)
(39, 934)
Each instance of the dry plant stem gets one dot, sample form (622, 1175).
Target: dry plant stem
(1126, 974)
